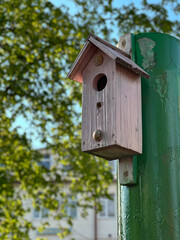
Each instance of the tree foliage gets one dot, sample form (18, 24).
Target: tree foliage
(38, 43)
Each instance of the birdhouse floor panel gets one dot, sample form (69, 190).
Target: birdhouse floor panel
(112, 152)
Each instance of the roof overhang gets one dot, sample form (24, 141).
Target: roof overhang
(91, 45)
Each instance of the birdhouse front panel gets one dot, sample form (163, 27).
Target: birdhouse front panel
(98, 100)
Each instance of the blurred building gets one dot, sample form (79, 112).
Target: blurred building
(101, 226)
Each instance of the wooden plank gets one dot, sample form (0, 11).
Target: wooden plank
(132, 66)
(109, 45)
(103, 47)
(102, 118)
(125, 44)
(86, 53)
(119, 117)
(128, 109)
(128, 171)
(119, 57)
(112, 152)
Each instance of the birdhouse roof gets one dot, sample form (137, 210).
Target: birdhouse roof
(92, 43)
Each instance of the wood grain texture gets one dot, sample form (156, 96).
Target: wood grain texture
(119, 117)
(113, 52)
(112, 152)
(127, 173)
(76, 70)
(119, 57)
(109, 45)
(98, 118)
(128, 109)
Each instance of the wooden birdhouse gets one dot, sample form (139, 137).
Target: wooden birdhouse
(111, 100)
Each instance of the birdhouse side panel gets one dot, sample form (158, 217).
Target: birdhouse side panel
(128, 109)
(98, 107)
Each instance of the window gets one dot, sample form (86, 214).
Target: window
(71, 209)
(46, 161)
(108, 207)
(41, 213)
(65, 169)
(49, 231)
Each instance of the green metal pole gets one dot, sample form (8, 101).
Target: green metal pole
(118, 204)
(150, 209)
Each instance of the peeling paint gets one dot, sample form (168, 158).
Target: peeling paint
(159, 80)
(146, 46)
(160, 85)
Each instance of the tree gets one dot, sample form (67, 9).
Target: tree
(38, 44)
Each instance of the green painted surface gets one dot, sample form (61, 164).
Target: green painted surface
(150, 210)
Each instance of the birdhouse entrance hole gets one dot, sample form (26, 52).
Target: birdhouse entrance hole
(100, 82)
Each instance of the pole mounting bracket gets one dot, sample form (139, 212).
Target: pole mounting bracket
(128, 171)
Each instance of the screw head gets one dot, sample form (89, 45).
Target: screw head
(97, 135)
(98, 60)
(123, 44)
(125, 173)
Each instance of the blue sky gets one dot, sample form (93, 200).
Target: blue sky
(116, 3)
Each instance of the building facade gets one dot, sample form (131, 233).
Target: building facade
(101, 226)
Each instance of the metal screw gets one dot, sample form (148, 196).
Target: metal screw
(123, 43)
(97, 135)
(98, 60)
(125, 173)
